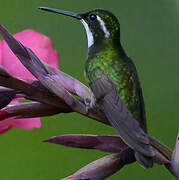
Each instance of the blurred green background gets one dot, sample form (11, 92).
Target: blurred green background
(150, 36)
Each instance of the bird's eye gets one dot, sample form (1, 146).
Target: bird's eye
(92, 17)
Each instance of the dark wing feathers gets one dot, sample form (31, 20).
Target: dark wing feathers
(121, 118)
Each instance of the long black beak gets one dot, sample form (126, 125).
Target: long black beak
(77, 16)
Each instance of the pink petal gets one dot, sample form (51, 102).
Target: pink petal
(40, 44)
(27, 124)
(4, 130)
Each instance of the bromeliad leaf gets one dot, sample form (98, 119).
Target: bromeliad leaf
(30, 110)
(30, 89)
(50, 79)
(175, 159)
(72, 85)
(6, 96)
(99, 169)
(104, 143)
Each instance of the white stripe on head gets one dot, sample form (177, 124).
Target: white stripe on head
(103, 26)
(89, 34)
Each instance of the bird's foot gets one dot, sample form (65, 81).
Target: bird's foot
(90, 102)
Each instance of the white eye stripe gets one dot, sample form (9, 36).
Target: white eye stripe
(103, 26)
(89, 34)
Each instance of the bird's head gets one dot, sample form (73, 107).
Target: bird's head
(101, 25)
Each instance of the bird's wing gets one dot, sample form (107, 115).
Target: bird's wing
(119, 116)
(142, 120)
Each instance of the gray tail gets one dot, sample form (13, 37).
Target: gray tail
(145, 161)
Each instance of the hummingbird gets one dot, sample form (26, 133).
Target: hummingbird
(114, 81)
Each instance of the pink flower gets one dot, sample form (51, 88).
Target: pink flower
(41, 45)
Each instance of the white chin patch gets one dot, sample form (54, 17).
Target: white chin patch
(89, 34)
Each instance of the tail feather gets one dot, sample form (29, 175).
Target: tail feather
(145, 161)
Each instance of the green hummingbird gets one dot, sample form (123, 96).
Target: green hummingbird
(114, 81)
